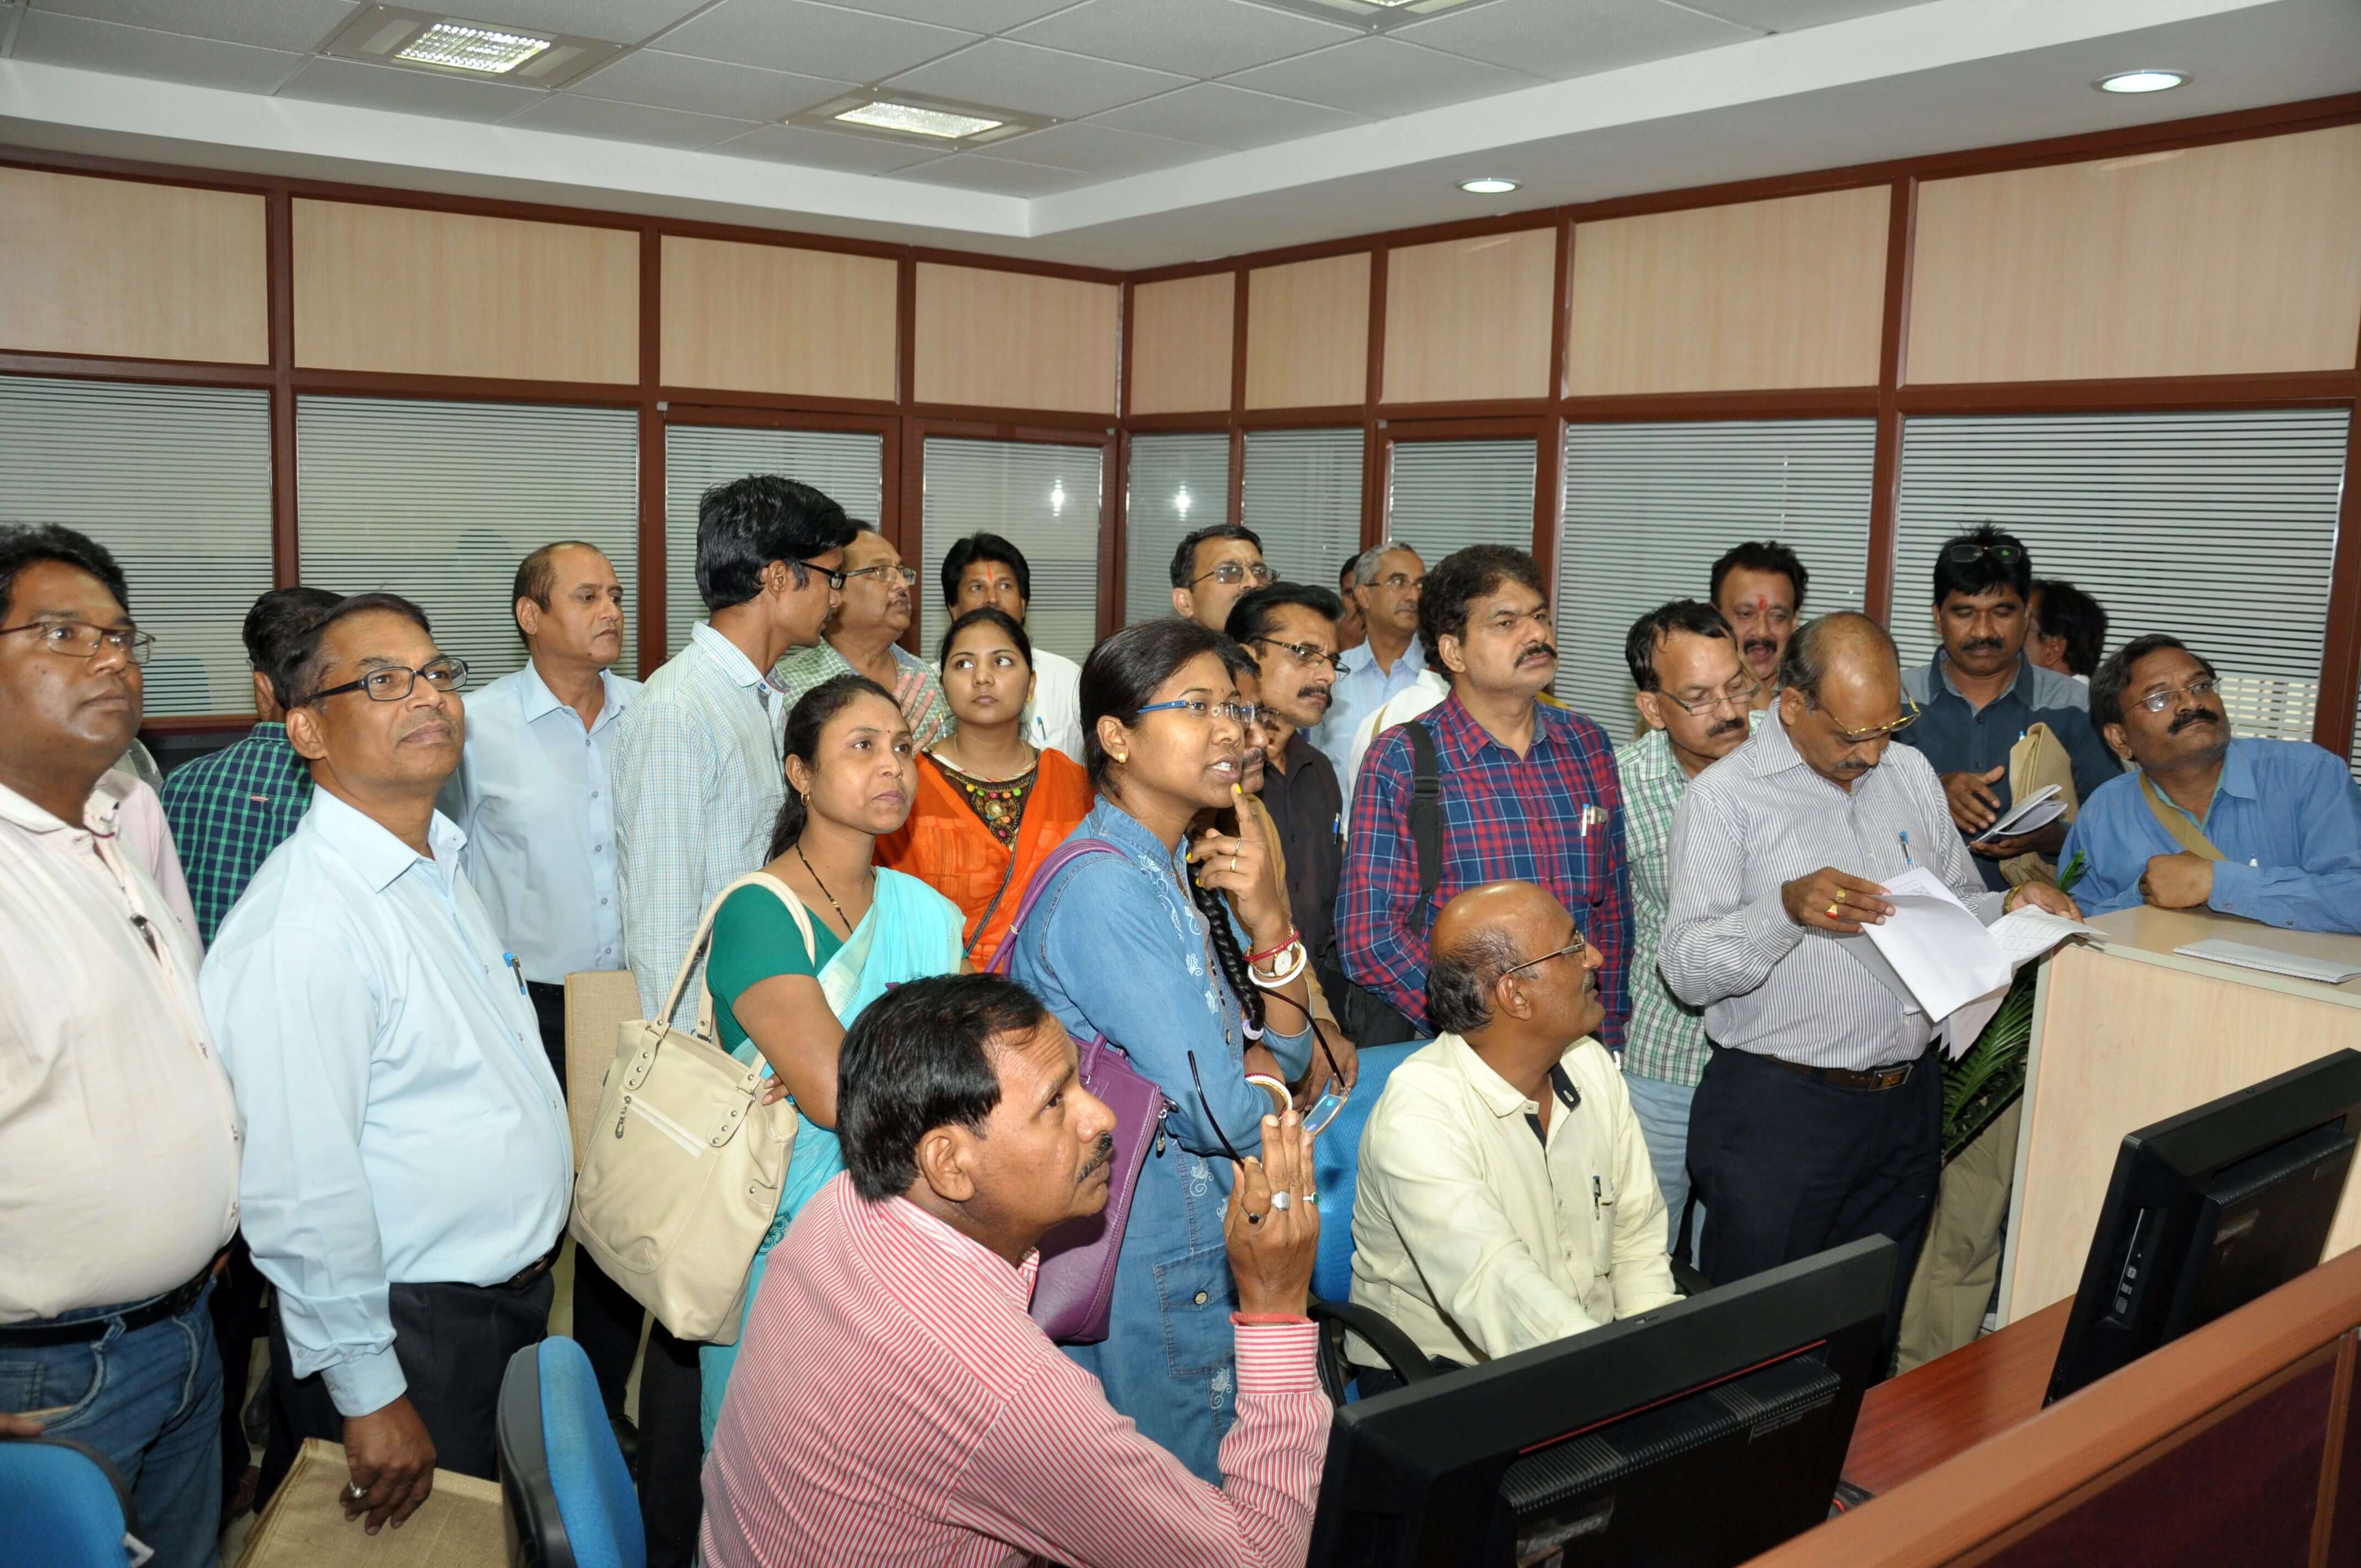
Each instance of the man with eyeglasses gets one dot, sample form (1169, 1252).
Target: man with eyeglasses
(1214, 568)
(863, 638)
(698, 782)
(1981, 693)
(2266, 830)
(1697, 699)
(1818, 1118)
(1386, 584)
(408, 1157)
(118, 1135)
(1470, 1232)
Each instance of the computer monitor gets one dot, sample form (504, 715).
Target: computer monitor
(2209, 1210)
(1696, 1435)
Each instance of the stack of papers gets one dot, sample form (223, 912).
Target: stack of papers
(2032, 814)
(1939, 959)
(2328, 971)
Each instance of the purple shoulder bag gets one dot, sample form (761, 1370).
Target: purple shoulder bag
(1076, 1282)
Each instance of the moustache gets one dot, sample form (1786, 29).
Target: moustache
(1981, 645)
(1854, 767)
(2194, 716)
(1537, 648)
(1727, 727)
(1104, 1157)
(1311, 693)
(1760, 645)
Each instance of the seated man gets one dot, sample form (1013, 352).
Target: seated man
(1468, 1227)
(2268, 829)
(971, 1439)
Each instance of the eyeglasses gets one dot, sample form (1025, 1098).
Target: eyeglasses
(445, 675)
(1304, 652)
(1579, 943)
(908, 574)
(81, 639)
(835, 579)
(1881, 731)
(1242, 713)
(2156, 702)
(1740, 693)
(1398, 582)
(1967, 552)
(1229, 574)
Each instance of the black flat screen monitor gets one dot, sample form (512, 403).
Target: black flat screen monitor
(2209, 1210)
(1693, 1436)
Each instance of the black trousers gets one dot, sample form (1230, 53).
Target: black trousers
(453, 1342)
(672, 1449)
(239, 1320)
(1787, 1167)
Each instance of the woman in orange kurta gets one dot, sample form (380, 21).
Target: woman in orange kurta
(989, 807)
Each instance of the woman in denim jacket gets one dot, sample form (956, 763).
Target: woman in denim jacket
(1124, 948)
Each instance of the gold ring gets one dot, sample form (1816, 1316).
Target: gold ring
(1832, 911)
(1233, 860)
(1841, 894)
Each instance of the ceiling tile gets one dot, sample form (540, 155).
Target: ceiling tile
(299, 25)
(1094, 148)
(707, 86)
(1035, 81)
(1197, 37)
(1380, 77)
(617, 21)
(407, 92)
(570, 116)
(976, 16)
(825, 149)
(1793, 16)
(813, 40)
(1561, 39)
(1002, 176)
(1225, 116)
(53, 40)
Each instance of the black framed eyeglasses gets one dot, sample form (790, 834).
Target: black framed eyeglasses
(2156, 702)
(1304, 652)
(445, 675)
(1738, 694)
(908, 574)
(1230, 574)
(835, 579)
(81, 639)
(1967, 552)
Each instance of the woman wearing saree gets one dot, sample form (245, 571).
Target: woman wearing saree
(849, 777)
(990, 806)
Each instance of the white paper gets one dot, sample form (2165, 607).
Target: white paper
(2032, 814)
(2328, 971)
(1938, 947)
(2022, 935)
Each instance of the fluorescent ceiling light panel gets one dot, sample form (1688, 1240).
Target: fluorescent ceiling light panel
(2141, 81)
(464, 47)
(935, 121)
(468, 47)
(885, 115)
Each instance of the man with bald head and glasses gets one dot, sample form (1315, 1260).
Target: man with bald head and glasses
(1818, 1118)
(2266, 830)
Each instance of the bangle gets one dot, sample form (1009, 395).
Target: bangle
(1277, 948)
(1283, 977)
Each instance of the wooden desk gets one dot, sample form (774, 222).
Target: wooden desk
(1911, 1423)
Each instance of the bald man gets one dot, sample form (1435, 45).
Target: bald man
(1819, 1117)
(1468, 1231)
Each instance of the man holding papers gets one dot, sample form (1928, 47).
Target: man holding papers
(1819, 1120)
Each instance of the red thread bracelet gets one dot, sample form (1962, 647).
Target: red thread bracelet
(1292, 937)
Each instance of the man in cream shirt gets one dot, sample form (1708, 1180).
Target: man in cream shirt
(1506, 1199)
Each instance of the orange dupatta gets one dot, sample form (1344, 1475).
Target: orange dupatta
(945, 845)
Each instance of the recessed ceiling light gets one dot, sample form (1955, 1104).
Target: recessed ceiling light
(464, 47)
(1490, 185)
(882, 116)
(2141, 81)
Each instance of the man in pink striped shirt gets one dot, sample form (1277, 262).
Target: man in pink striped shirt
(894, 1405)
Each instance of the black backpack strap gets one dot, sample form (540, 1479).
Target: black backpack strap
(1425, 807)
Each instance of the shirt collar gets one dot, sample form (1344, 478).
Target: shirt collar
(726, 653)
(539, 702)
(1112, 822)
(1652, 757)
(1769, 750)
(1015, 1283)
(1500, 1097)
(2238, 773)
(1455, 726)
(1363, 655)
(98, 813)
(1942, 681)
(370, 849)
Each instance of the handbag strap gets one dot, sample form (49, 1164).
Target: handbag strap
(704, 939)
(1062, 857)
(2185, 833)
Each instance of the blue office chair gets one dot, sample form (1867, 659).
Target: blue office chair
(64, 1505)
(1335, 1172)
(570, 1500)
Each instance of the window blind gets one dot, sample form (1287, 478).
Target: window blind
(1650, 507)
(1042, 498)
(1446, 495)
(1303, 497)
(1175, 485)
(440, 501)
(2217, 527)
(175, 481)
(847, 465)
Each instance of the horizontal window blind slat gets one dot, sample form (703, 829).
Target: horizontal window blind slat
(1446, 495)
(440, 501)
(846, 465)
(1177, 484)
(175, 482)
(1043, 498)
(1303, 497)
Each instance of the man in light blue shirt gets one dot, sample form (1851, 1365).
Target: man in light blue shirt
(408, 1163)
(1387, 582)
(2282, 817)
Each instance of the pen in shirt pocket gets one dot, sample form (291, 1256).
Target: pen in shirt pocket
(516, 969)
(1905, 837)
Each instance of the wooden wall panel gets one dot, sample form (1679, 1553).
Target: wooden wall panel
(140, 271)
(1469, 318)
(1180, 342)
(2212, 260)
(400, 288)
(770, 318)
(1751, 297)
(1308, 334)
(994, 339)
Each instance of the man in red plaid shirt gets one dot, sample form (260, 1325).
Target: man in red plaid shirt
(1529, 792)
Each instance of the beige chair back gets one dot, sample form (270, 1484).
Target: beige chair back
(598, 1004)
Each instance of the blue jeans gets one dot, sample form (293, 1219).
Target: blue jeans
(151, 1402)
(1662, 1108)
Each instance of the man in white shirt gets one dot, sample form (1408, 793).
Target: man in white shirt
(118, 1137)
(1387, 585)
(1469, 1229)
(985, 571)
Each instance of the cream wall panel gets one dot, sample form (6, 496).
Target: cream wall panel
(2239, 258)
(1181, 335)
(770, 318)
(397, 289)
(125, 268)
(1308, 334)
(998, 339)
(1750, 297)
(1469, 318)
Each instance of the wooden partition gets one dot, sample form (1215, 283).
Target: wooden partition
(1182, 333)
(1015, 340)
(774, 318)
(1308, 334)
(1469, 319)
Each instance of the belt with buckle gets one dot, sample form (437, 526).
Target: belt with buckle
(81, 1331)
(533, 1271)
(1876, 1078)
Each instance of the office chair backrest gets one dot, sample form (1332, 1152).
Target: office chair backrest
(570, 1499)
(1336, 1169)
(61, 1506)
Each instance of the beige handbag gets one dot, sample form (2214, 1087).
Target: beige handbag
(2037, 760)
(681, 1176)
